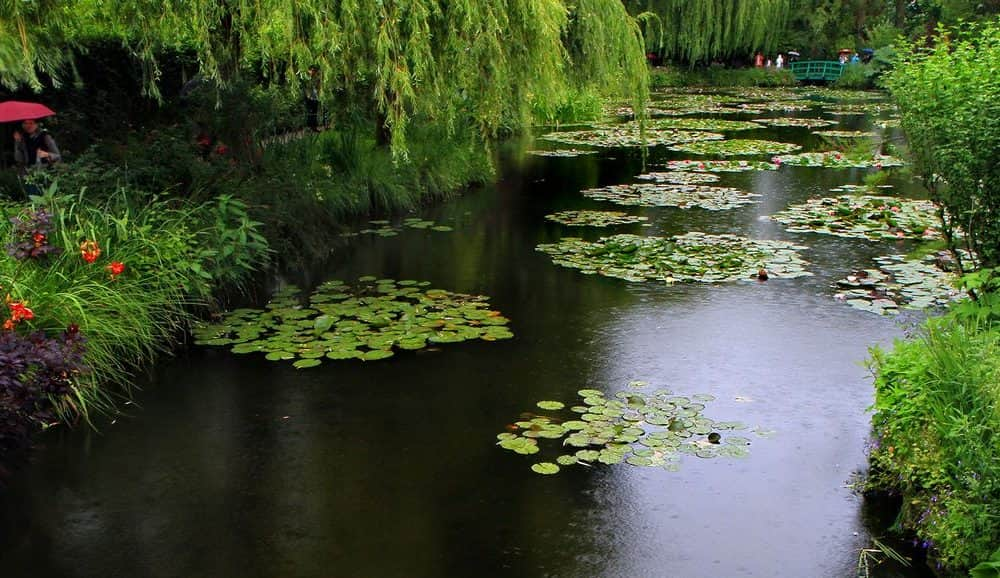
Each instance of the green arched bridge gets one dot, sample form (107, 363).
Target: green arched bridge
(828, 70)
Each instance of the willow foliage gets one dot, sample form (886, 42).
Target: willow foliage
(448, 60)
(705, 29)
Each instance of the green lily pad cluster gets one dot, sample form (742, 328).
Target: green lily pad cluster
(837, 159)
(736, 147)
(368, 321)
(710, 124)
(387, 229)
(680, 177)
(802, 122)
(561, 153)
(843, 94)
(777, 106)
(720, 166)
(835, 134)
(690, 257)
(626, 136)
(673, 195)
(861, 108)
(899, 283)
(594, 218)
(641, 429)
(864, 217)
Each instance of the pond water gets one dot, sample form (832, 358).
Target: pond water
(234, 466)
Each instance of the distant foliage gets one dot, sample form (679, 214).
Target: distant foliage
(949, 97)
(708, 29)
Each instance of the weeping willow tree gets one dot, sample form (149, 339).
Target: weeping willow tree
(692, 31)
(460, 62)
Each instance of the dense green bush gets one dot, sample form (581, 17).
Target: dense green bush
(949, 97)
(937, 433)
(125, 274)
(721, 77)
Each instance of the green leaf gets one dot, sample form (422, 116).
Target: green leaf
(545, 468)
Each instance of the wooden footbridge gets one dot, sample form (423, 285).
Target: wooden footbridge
(817, 70)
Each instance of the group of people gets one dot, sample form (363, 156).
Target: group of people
(779, 61)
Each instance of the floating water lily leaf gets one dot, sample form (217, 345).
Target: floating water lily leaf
(737, 147)
(720, 166)
(838, 134)
(305, 363)
(622, 136)
(710, 124)
(690, 257)
(567, 460)
(837, 159)
(673, 195)
(365, 322)
(594, 218)
(565, 153)
(545, 468)
(667, 425)
(551, 405)
(680, 177)
(899, 283)
(801, 122)
(864, 216)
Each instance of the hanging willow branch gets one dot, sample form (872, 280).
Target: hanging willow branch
(454, 61)
(691, 31)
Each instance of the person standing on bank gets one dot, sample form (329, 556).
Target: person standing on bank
(34, 147)
(311, 94)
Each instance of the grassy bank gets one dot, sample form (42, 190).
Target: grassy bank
(93, 290)
(937, 434)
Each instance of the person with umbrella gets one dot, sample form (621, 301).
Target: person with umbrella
(33, 146)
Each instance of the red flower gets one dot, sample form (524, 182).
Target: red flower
(20, 312)
(39, 239)
(90, 251)
(116, 268)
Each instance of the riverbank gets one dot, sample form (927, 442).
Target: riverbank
(105, 274)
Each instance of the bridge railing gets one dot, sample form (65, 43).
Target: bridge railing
(817, 69)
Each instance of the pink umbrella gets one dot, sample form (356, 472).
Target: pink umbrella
(13, 110)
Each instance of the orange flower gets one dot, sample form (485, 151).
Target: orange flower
(90, 251)
(39, 239)
(18, 312)
(116, 268)
(8, 325)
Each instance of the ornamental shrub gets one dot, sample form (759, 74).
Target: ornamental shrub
(949, 97)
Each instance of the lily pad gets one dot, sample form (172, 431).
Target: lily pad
(864, 216)
(837, 160)
(561, 153)
(680, 177)
(839, 134)
(545, 468)
(673, 195)
(796, 122)
(367, 321)
(691, 257)
(551, 405)
(594, 218)
(671, 425)
(899, 283)
(720, 166)
(624, 136)
(739, 147)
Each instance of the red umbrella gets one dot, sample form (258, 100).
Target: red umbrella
(12, 110)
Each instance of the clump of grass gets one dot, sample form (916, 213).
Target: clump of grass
(173, 257)
(937, 430)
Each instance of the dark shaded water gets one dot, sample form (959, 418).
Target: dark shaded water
(234, 466)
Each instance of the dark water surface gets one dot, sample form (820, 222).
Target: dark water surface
(233, 466)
